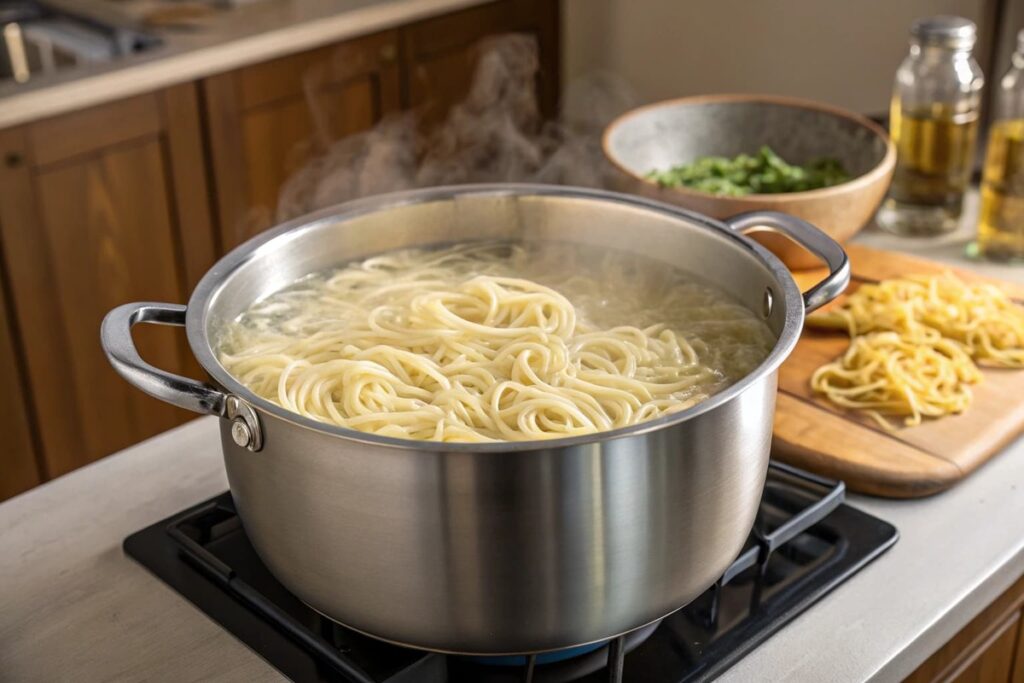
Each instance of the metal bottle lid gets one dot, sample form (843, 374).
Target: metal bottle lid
(945, 31)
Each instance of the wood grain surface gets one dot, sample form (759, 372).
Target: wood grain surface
(19, 468)
(910, 462)
(987, 649)
(120, 215)
(265, 121)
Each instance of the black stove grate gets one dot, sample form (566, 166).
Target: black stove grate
(805, 542)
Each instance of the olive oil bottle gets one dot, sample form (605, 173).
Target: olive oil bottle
(1001, 223)
(935, 147)
(933, 121)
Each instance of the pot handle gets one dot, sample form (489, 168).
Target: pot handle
(116, 338)
(809, 237)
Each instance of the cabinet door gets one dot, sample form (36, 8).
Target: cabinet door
(18, 465)
(264, 121)
(993, 661)
(104, 206)
(987, 650)
(440, 53)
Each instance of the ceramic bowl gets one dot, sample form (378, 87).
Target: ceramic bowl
(665, 134)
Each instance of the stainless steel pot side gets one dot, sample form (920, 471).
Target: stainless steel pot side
(507, 547)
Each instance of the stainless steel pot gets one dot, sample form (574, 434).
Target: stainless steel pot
(497, 548)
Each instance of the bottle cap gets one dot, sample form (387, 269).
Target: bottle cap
(945, 31)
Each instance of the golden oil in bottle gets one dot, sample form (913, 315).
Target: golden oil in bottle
(934, 126)
(935, 147)
(1001, 223)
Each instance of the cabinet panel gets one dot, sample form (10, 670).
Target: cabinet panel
(107, 222)
(297, 75)
(993, 661)
(95, 227)
(18, 465)
(63, 137)
(1017, 675)
(438, 82)
(287, 132)
(264, 121)
(34, 294)
(984, 651)
(440, 53)
(185, 161)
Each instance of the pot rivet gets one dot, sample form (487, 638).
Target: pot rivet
(769, 300)
(240, 432)
(244, 424)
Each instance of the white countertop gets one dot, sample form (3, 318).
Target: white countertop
(73, 606)
(248, 34)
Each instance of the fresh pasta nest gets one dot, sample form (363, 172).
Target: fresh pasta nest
(451, 345)
(914, 344)
(887, 373)
(978, 315)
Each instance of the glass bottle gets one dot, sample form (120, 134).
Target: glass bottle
(1001, 223)
(933, 122)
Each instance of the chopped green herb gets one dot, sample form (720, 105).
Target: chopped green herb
(764, 173)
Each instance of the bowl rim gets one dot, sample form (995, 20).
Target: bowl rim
(881, 169)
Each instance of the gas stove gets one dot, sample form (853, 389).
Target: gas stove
(805, 542)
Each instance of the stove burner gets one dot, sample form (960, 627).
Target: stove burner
(804, 543)
(579, 653)
(542, 658)
(562, 666)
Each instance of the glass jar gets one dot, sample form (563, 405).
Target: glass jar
(933, 121)
(1001, 223)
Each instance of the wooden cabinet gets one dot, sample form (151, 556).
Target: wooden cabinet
(990, 649)
(19, 468)
(264, 120)
(439, 54)
(98, 208)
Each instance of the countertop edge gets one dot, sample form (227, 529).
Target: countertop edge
(944, 628)
(192, 64)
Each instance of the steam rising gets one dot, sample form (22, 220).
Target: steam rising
(496, 134)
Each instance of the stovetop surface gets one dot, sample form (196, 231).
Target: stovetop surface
(805, 542)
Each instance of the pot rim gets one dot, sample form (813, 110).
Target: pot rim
(213, 281)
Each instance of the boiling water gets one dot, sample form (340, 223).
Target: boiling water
(391, 343)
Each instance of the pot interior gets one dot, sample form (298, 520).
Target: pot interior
(445, 216)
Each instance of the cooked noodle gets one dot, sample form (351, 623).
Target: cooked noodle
(467, 344)
(914, 375)
(978, 315)
(913, 341)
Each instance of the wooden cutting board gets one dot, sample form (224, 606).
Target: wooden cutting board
(913, 461)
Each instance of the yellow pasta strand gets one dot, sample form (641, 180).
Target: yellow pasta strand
(978, 315)
(915, 375)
